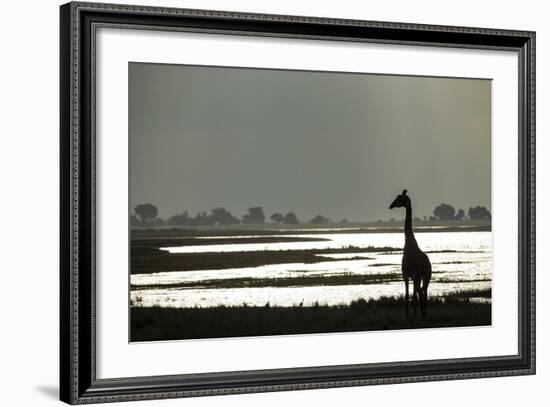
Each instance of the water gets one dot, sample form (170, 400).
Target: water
(460, 261)
(462, 241)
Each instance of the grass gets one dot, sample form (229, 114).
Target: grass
(146, 257)
(155, 323)
(295, 281)
(298, 281)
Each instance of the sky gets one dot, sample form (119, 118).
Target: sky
(342, 145)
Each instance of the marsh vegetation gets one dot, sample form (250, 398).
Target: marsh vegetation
(158, 323)
(257, 280)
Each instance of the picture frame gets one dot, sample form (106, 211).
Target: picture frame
(79, 382)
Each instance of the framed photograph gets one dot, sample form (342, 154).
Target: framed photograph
(255, 203)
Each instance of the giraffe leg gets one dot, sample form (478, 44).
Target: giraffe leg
(421, 299)
(422, 303)
(407, 298)
(415, 298)
(425, 297)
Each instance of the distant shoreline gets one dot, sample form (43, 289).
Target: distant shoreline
(267, 229)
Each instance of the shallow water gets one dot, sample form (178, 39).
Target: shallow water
(460, 261)
(462, 241)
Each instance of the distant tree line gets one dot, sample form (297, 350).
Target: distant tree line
(448, 212)
(147, 214)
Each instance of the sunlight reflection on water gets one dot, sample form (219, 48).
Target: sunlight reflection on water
(466, 265)
(462, 241)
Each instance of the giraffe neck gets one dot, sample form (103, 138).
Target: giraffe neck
(409, 235)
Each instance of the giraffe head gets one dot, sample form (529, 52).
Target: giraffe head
(401, 201)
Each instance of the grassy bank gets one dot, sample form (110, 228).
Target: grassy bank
(297, 281)
(146, 257)
(151, 324)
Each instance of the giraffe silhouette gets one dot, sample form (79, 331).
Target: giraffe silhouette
(415, 264)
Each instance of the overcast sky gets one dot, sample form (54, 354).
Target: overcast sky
(337, 144)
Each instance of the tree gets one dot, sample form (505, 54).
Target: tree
(319, 220)
(221, 216)
(277, 218)
(479, 212)
(444, 212)
(291, 219)
(254, 215)
(460, 214)
(181, 219)
(201, 219)
(146, 211)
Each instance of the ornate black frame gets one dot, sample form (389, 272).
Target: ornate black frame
(78, 382)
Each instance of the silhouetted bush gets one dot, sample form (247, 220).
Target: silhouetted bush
(291, 219)
(479, 212)
(146, 211)
(445, 212)
(182, 219)
(202, 219)
(221, 216)
(254, 215)
(319, 220)
(277, 218)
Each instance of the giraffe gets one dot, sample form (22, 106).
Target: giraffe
(415, 264)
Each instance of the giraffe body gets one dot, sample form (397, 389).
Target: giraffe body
(415, 264)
